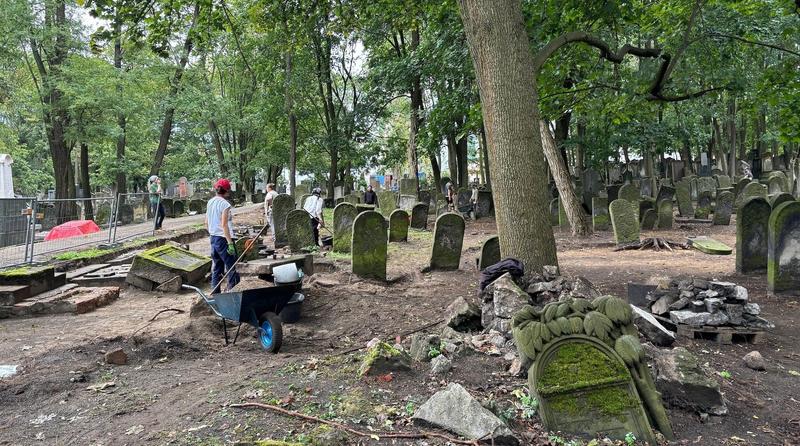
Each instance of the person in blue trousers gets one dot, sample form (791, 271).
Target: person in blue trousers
(219, 222)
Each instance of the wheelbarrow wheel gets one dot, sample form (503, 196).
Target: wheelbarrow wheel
(270, 332)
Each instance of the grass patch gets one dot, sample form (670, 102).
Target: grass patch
(335, 255)
(416, 234)
(91, 253)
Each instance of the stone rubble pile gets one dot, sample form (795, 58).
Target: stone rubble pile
(698, 302)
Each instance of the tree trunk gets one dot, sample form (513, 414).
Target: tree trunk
(722, 161)
(578, 220)
(415, 121)
(501, 54)
(437, 173)
(169, 113)
(580, 148)
(732, 134)
(452, 158)
(120, 180)
(561, 135)
(88, 209)
(686, 154)
(213, 129)
(289, 103)
(463, 162)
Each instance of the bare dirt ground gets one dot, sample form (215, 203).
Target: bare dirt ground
(180, 378)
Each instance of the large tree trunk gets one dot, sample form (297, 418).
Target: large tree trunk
(415, 120)
(504, 68)
(578, 220)
(289, 103)
(452, 158)
(88, 209)
(437, 173)
(169, 113)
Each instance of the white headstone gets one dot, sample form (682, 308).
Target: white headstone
(6, 182)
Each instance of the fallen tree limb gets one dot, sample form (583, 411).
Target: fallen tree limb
(340, 426)
(179, 311)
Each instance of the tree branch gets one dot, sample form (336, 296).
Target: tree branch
(605, 50)
(755, 42)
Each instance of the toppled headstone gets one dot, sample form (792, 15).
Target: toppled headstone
(683, 383)
(383, 358)
(651, 328)
(160, 265)
(709, 246)
(455, 410)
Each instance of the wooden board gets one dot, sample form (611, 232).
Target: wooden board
(723, 335)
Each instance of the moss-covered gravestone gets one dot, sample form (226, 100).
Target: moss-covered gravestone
(299, 233)
(448, 237)
(724, 181)
(709, 246)
(408, 186)
(160, 265)
(398, 226)
(343, 216)
(125, 214)
(752, 220)
(490, 252)
(665, 192)
(302, 200)
(624, 220)
(739, 186)
(600, 219)
(776, 200)
(631, 193)
(703, 209)
(282, 204)
(387, 202)
(783, 261)
(419, 216)
(649, 220)
(665, 214)
(723, 208)
(706, 184)
(589, 370)
(38, 278)
(368, 247)
(554, 208)
(178, 208)
(684, 198)
(754, 189)
(168, 204)
(484, 207)
(352, 199)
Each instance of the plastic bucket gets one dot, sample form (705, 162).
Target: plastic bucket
(293, 309)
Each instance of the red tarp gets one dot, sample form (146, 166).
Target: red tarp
(72, 229)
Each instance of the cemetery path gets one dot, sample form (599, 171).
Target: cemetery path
(180, 377)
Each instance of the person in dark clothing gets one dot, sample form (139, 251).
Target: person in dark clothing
(370, 197)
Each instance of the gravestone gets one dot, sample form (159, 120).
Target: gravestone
(178, 208)
(419, 216)
(408, 186)
(665, 214)
(168, 204)
(723, 208)
(343, 216)
(407, 202)
(705, 166)
(365, 207)
(352, 199)
(591, 186)
(600, 218)
(739, 186)
(665, 192)
(783, 251)
(554, 208)
(709, 246)
(162, 264)
(101, 216)
(612, 191)
(369, 246)
(706, 184)
(649, 219)
(282, 204)
(754, 189)
(387, 202)
(684, 198)
(490, 252)
(779, 198)
(629, 192)
(646, 187)
(448, 237)
(644, 204)
(724, 181)
(775, 185)
(299, 233)
(624, 221)
(485, 206)
(703, 209)
(752, 220)
(462, 197)
(693, 188)
(198, 206)
(124, 214)
(302, 201)
(398, 226)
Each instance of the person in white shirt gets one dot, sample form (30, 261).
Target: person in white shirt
(219, 222)
(271, 194)
(313, 205)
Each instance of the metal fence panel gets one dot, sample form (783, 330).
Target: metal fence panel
(63, 225)
(15, 230)
(133, 217)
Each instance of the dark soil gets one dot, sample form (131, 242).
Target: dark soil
(181, 378)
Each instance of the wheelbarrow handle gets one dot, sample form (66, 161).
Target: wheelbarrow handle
(211, 302)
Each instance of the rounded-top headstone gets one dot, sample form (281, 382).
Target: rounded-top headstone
(282, 204)
(624, 221)
(754, 189)
(398, 226)
(665, 214)
(783, 261)
(780, 198)
(490, 252)
(299, 233)
(448, 238)
(344, 214)
(419, 216)
(752, 219)
(723, 208)
(369, 246)
(629, 192)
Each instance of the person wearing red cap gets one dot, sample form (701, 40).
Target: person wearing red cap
(219, 222)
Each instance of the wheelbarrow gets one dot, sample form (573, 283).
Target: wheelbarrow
(258, 307)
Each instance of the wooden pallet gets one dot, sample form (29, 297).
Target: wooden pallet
(723, 335)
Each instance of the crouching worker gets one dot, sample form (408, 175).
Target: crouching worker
(219, 222)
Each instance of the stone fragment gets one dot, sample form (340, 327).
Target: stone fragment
(755, 361)
(583, 288)
(507, 297)
(422, 345)
(661, 306)
(740, 293)
(116, 357)
(550, 272)
(735, 313)
(651, 328)
(713, 304)
(440, 365)
(462, 315)
(752, 308)
(683, 383)
(708, 294)
(698, 319)
(680, 304)
(455, 410)
(757, 322)
(723, 288)
(700, 283)
(383, 358)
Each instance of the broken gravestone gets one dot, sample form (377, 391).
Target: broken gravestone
(448, 237)
(455, 410)
(462, 316)
(709, 246)
(752, 220)
(383, 358)
(368, 247)
(343, 216)
(600, 218)
(490, 252)
(398, 226)
(167, 265)
(723, 209)
(783, 255)
(683, 383)
(419, 216)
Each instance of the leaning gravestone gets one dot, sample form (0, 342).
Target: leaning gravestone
(684, 197)
(490, 252)
(302, 201)
(783, 262)
(752, 221)
(624, 221)
(398, 226)
(448, 237)
(703, 209)
(352, 199)
(369, 248)
(282, 204)
(600, 219)
(387, 202)
(644, 204)
(723, 208)
(419, 216)
(299, 233)
(780, 198)
(649, 219)
(665, 214)
(343, 216)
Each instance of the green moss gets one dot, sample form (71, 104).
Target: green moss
(23, 271)
(611, 401)
(381, 350)
(578, 365)
(83, 255)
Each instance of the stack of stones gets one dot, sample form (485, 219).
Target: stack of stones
(698, 303)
